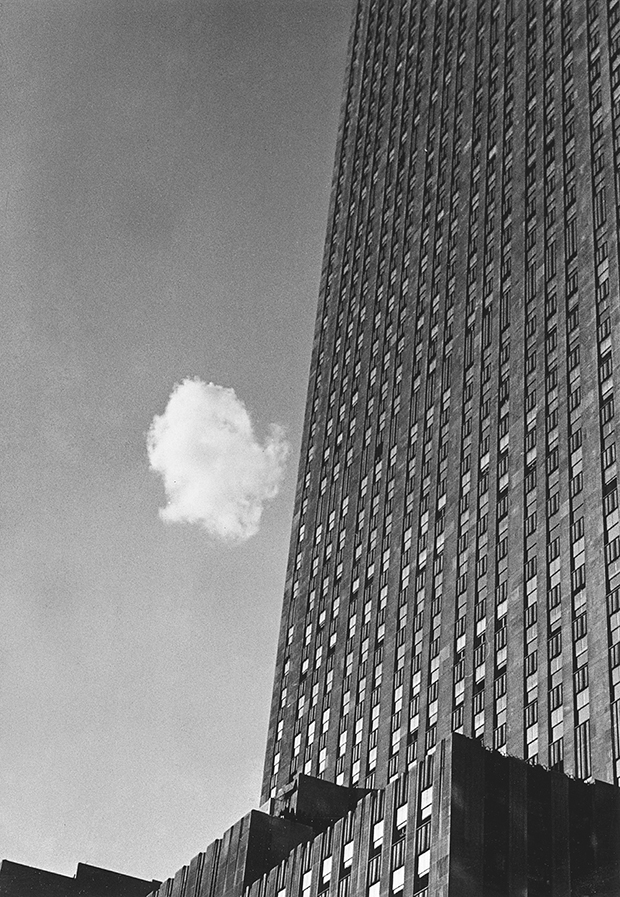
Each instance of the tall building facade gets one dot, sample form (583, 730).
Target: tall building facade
(445, 718)
(455, 556)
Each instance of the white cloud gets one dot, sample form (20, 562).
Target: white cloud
(215, 472)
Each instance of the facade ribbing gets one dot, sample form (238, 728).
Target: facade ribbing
(455, 552)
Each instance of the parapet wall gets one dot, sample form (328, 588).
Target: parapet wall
(463, 822)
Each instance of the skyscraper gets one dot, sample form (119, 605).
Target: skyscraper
(454, 567)
(455, 555)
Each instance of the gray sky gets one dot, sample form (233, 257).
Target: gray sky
(164, 188)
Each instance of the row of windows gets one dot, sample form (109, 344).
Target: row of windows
(376, 478)
(606, 385)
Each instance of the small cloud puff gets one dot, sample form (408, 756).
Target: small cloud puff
(214, 470)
